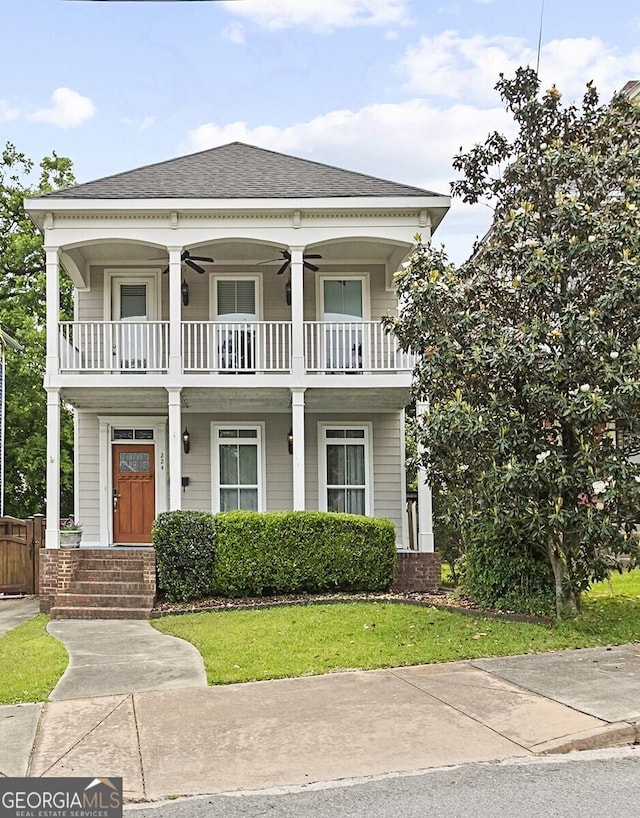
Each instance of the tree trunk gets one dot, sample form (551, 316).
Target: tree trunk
(566, 600)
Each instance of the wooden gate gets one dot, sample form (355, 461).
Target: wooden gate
(20, 542)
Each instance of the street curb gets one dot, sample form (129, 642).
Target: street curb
(616, 734)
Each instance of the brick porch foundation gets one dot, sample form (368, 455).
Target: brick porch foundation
(417, 571)
(97, 583)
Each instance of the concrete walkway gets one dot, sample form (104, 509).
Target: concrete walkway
(13, 611)
(134, 703)
(122, 656)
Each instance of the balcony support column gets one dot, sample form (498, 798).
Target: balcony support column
(175, 450)
(53, 309)
(175, 311)
(297, 312)
(52, 537)
(297, 427)
(425, 504)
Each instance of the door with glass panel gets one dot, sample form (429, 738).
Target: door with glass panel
(237, 469)
(343, 311)
(236, 314)
(346, 471)
(131, 308)
(133, 492)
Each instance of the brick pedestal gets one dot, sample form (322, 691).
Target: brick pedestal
(417, 571)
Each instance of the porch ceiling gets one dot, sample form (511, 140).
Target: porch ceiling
(234, 252)
(236, 400)
(149, 399)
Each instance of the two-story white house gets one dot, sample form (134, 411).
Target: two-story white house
(226, 350)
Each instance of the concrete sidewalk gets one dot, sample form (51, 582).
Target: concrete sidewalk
(134, 703)
(198, 739)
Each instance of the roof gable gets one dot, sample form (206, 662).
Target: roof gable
(237, 171)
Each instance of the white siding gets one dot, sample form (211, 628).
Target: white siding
(87, 475)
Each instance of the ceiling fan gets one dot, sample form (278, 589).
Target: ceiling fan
(286, 256)
(190, 261)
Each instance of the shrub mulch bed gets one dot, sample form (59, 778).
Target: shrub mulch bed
(445, 600)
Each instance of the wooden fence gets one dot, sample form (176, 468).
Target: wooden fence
(20, 542)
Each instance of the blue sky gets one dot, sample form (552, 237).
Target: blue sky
(388, 87)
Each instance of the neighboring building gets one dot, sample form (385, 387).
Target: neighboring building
(632, 89)
(226, 350)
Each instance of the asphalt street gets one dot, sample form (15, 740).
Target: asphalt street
(592, 784)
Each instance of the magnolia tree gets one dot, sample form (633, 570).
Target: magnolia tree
(529, 353)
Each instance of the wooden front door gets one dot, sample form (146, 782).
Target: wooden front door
(134, 507)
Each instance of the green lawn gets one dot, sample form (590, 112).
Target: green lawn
(627, 584)
(274, 643)
(31, 662)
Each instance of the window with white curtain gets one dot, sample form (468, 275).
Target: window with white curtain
(237, 468)
(345, 482)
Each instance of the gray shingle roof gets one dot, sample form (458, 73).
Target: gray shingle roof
(237, 171)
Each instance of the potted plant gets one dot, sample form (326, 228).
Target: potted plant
(70, 533)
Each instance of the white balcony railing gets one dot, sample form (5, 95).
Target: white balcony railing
(114, 346)
(239, 346)
(352, 346)
(229, 347)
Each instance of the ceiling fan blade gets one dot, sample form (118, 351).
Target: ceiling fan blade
(312, 267)
(283, 268)
(191, 263)
(200, 258)
(165, 271)
(312, 255)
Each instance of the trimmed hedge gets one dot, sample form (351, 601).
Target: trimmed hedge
(185, 543)
(507, 574)
(262, 553)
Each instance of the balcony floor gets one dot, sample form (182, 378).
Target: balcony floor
(340, 396)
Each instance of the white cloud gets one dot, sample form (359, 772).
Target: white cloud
(7, 113)
(414, 141)
(449, 65)
(236, 34)
(322, 14)
(146, 123)
(411, 142)
(69, 109)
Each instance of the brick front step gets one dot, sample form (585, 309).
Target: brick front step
(84, 585)
(119, 562)
(99, 613)
(71, 600)
(97, 584)
(108, 575)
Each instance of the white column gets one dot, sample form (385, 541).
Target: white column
(53, 309)
(403, 483)
(425, 506)
(297, 312)
(175, 311)
(53, 469)
(297, 426)
(175, 450)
